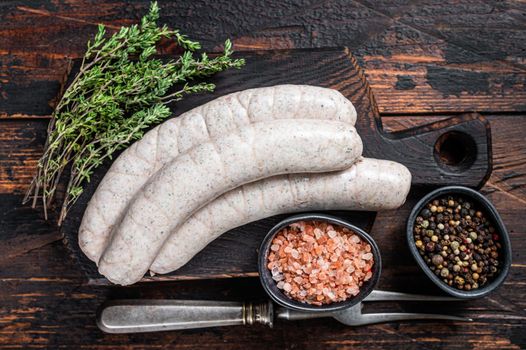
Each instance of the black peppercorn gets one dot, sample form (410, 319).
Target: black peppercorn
(425, 213)
(430, 246)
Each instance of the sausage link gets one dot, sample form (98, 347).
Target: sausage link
(370, 184)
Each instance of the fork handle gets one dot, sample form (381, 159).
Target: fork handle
(134, 316)
(383, 295)
(293, 315)
(366, 319)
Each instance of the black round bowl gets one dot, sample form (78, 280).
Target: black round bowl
(492, 215)
(280, 298)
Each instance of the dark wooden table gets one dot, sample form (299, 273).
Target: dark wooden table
(425, 60)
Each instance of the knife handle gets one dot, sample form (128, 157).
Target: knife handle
(136, 316)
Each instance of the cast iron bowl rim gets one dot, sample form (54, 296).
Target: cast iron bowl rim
(269, 285)
(494, 217)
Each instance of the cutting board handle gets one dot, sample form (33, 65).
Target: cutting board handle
(456, 150)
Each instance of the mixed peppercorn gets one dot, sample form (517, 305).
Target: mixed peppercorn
(458, 242)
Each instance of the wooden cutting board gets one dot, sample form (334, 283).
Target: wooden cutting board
(453, 151)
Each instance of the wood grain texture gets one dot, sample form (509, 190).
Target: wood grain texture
(425, 60)
(419, 56)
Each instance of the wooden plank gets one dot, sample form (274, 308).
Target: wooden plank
(21, 145)
(45, 306)
(441, 66)
(51, 309)
(400, 43)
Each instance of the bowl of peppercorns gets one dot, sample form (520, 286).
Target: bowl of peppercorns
(459, 240)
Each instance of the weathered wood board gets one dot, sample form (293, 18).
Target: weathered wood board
(425, 60)
(466, 161)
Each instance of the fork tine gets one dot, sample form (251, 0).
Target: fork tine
(365, 319)
(382, 295)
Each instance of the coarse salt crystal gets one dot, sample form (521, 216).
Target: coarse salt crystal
(295, 254)
(277, 278)
(367, 256)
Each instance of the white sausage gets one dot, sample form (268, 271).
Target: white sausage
(162, 144)
(370, 184)
(195, 178)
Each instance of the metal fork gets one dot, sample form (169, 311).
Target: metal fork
(354, 316)
(133, 316)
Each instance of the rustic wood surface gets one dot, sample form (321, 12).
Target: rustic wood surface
(425, 61)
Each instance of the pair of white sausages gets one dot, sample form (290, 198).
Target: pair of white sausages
(194, 175)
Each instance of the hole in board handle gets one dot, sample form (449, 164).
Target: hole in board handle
(455, 151)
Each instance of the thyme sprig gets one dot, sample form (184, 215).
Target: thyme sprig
(120, 90)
